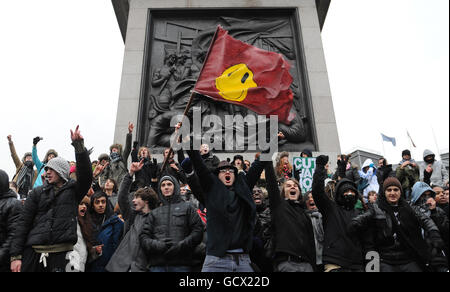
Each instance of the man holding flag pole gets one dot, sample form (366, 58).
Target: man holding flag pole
(237, 73)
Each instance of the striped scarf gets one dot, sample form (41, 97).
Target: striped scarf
(25, 178)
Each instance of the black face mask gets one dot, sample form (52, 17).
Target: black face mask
(429, 160)
(348, 202)
(28, 164)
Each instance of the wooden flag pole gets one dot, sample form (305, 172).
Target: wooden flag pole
(191, 98)
(186, 110)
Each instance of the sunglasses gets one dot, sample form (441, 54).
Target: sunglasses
(227, 170)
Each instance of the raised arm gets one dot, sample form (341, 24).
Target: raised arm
(196, 188)
(127, 150)
(84, 166)
(255, 171)
(202, 171)
(272, 187)
(35, 156)
(321, 199)
(124, 190)
(123, 196)
(14, 156)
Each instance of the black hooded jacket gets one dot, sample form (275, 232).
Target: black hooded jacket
(340, 248)
(292, 227)
(218, 202)
(10, 208)
(175, 220)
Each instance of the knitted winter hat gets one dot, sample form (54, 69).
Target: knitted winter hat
(392, 181)
(61, 166)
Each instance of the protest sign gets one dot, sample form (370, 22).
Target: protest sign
(305, 167)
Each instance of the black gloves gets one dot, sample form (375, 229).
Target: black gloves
(36, 140)
(174, 251)
(436, 240)
(427, 176)
(160, 246)
(342, 166)
(321, 161)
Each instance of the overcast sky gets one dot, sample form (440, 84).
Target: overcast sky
(61, 65)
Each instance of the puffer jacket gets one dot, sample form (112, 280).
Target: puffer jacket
(49, 217)
(175, 220)
(438, 215)
(439, 176)
(10, 209)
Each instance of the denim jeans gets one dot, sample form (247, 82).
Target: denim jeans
(290, 266)
(170, 269)
(239, 263)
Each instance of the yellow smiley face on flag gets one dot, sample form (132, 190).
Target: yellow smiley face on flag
(234, 82)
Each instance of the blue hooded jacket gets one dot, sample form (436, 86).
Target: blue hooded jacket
(418, 189)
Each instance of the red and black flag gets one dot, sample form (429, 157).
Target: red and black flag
(241, 74)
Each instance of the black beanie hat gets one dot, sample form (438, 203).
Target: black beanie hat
(347, 186)
(406, 152)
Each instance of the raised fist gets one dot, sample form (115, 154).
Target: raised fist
(36, 140)
(322, 160)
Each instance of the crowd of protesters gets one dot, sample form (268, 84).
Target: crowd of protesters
(193, 212)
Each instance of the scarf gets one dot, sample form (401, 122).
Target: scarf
(25, 177)
(410, 160)
(115, 157)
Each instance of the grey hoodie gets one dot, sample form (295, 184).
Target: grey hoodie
(439, 175)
